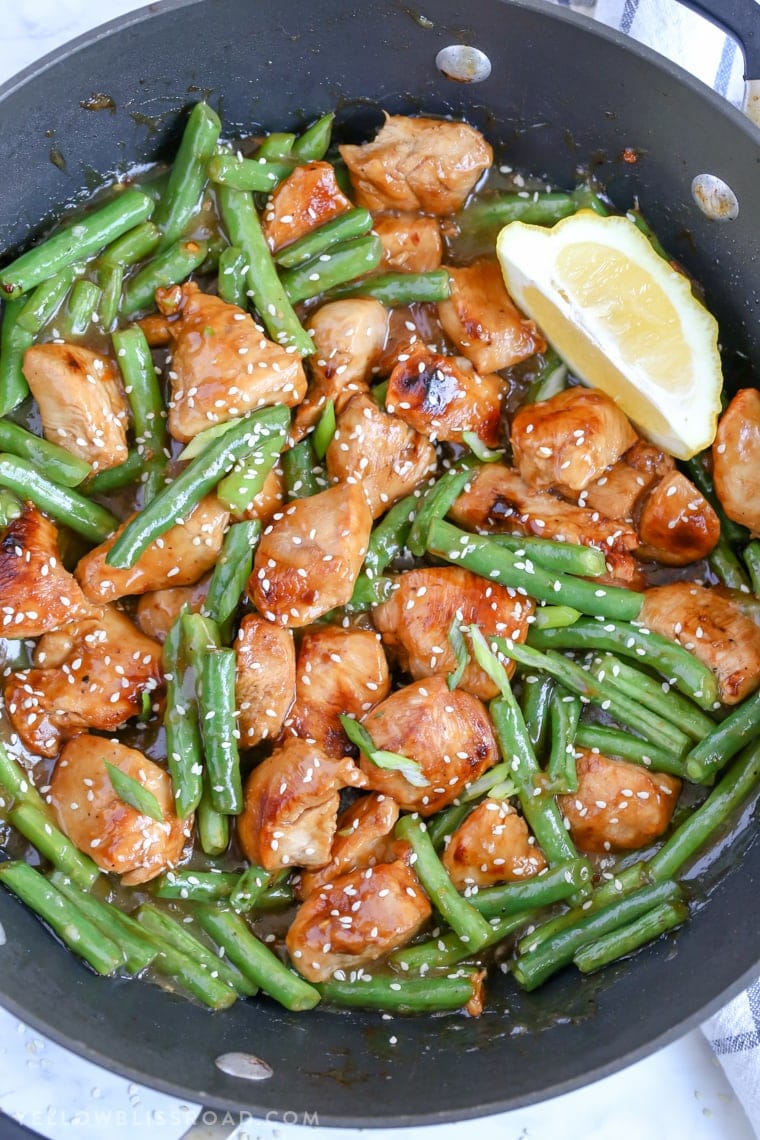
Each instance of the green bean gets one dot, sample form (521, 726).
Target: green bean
(615, 742)
(535, 966)
(352, 224)
(667, 657)
(176, 934)
(586, 198)
(82, 309)
(180, 199)
(249, 887)
(17, 782)
(551, 617)
(59, 464)
(752, 561)
(278, 144)
(389, 537)
(713, 752)
(631, 937)
(342, 262)
(244, 230)
(110, 281)
(550, 379)
(231, 573)
(42, 305)
(535, 704)
(564, 716)
(403, 995)
(258, 173)
(484, 556)
(537, 207)
(436, 502)
(325, 430)
(11, 508)
(138, 951)
(563, 557)
(14, 341)
(216, 705)
(36, 826)
(301, 471)
(231, 278)
(63, 504)
(169, 267)
(79, 934)
(146, 403)
(195, 481)
(238, 489)
(133, 246)
(654, 695)
(395, 290)
(193, 975)
(184, 750)
(448, 949)
(460, 915)
(727, 567)
(196, 886)
(313, 144)
(75, 242)
(551, 886)
(256, 960)
(114, 478)
(367, 592)
(732, 531)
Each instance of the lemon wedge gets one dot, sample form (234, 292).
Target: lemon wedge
(623, 320)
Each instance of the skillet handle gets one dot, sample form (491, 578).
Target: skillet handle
(740, 19)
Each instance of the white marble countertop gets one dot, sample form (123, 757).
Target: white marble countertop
(679, 1092)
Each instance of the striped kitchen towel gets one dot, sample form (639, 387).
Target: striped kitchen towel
(734, 1033)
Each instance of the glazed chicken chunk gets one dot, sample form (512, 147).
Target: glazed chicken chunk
(442, 396)
(37, 593)
(361, 917)
(482, 322)
(90, 673)
(412, 243)
(338, 671)
(566, 442)
(222, 365)
(363, 838)
(736, 459)
(116, 835)
(266, 678)
(416, 619)
(492, 845)
(380, 451)
(291, 806)
(417, 164)
(81, 400)
(618, 806)
(179, 557)
(711, 626)
(448, 734)
(676, 524)
(303, 201)
(620, 489)
(309, 556)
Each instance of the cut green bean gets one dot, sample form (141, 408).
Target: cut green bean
(269, 297)
(615, 742)
(726, 566)
(552, 617)
(231, 276)
(535, 703)
(59, 464)
(398, 994)
(301, 471)
(325, 430)
(171, 267)
(659, 920)
(654, 695)
(564, 716)
(196, 886)
(752, 562)
(538, 208)
(550, 380)
(552, 885)
(176, 934)
(389, 537)
(484, 556)
(184, 748)
(342, 262)
(36, 826)
(667, 657)
(110, 281)
(146, 404)
(11, 508)
(314, 143)
(249, 888)
(449, 949)
(238, 489)
(14, 341)
(216, 706)
(69, 923)
(193, 975)
(460, 915)
(231, 573)
(256, 960)
(564, 557)
(42, 305)
(258, 173)
(81, 310)
(63, 504)
(181, 198)
(278, 144)
(133, 246)
(114, 478)
(137, 948)
(199, 477)
(213, 826)
(17, 782)
(395, 290)
(76, 242)
(352, 224)
(436, 502)
(713, 752)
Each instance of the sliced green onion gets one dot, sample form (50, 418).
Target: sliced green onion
(390, 761)
(472, 440)
(459, 649)
(134, 793)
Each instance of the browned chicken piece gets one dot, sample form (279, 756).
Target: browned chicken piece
(618, 806)
(305, 200)
(482, 321)
(736, 459)
(449, 734)
(361, 841)
(442, 396)
(497, 499)
(492, 845)
(179, 557)
(158, 610)
(417, 164)
(566, 442)
(90, 673)
(222, 365)
(411, 242)
(118, 837)
(410, 326)
(415, 621)
(380, 451)
(291, 806)
(676, 524)
(349, 337)
(309, 556)
(37, 593)
(361, 917)
(265, 686)
(618, 491)
(270, 499)
(81, 400)
(338, 671)
(711, 626)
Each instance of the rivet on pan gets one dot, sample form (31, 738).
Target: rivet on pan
(245, 1066)
(463, 63)
(715, 198)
